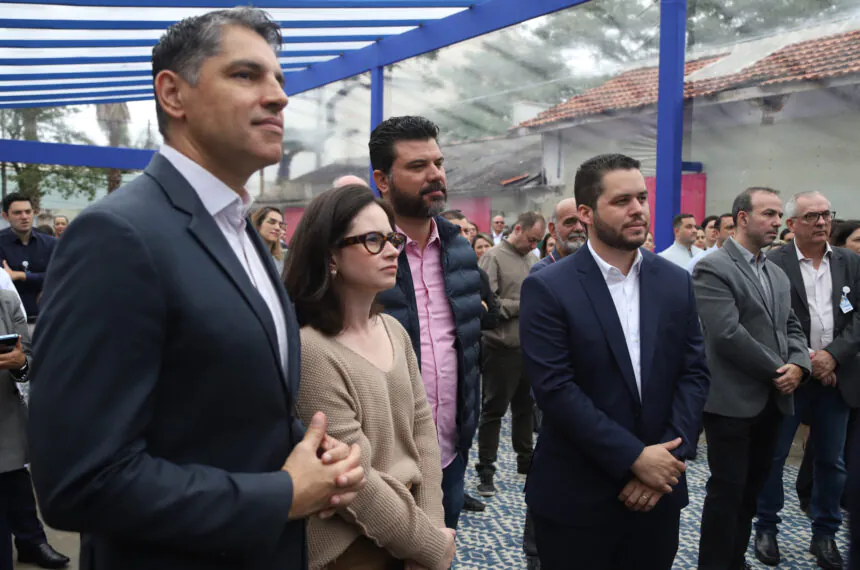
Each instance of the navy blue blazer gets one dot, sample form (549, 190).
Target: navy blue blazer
(160, 412)
(576, 356)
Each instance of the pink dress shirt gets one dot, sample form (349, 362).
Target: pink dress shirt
(438, 338)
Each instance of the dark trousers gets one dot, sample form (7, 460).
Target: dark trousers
(804, 483)
(740, 455)
(824, 409)
(21, 510)
(853, 496)
(529, 544)
(5, 530)
(453, 489)
(634, 541)
(504, 384)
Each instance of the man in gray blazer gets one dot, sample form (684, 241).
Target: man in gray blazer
(825, 284)
(14, 366)
(757, 354)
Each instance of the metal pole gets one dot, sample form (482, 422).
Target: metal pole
(670, 119)
(377, 106)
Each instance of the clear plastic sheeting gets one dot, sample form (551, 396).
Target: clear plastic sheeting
(773, 99)
(67, 49)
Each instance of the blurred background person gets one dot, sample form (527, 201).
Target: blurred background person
(547, 246)
(269, 223)
(60, 225)
(846, 234)
(700, 239)
(481, 243)
(359, 368)
(649, 242)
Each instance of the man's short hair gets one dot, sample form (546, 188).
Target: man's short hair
(708, 220)
(393, 130)
(719, 224)
(678, 220)
(527, 220)
(12, 198)
(188, 43)
(588, 183)
(451, 215)
(743, 201)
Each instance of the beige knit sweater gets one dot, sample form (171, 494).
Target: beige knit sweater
(387, 415)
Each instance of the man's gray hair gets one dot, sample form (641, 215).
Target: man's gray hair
(188, 43)
(791, 205)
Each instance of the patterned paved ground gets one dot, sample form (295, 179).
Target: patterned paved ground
(492, 540)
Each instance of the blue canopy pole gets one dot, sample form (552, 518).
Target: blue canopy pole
(670, 120)
(377, 106)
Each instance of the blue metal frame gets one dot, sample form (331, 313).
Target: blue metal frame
(288, 39)
(670, 119)
(164, 24)
(74, 155)
(481, 19)
(377, 107)
(262, 3)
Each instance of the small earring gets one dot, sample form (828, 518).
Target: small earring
(334, 272)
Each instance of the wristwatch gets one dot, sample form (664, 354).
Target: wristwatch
(21, 373)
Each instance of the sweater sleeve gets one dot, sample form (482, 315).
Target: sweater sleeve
(428, 494)
(385, 511)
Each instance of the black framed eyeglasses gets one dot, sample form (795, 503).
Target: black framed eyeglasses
(374, 242)
(812, 217)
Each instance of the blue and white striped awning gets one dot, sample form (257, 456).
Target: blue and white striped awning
(74, 52)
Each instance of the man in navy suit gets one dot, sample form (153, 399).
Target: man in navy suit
(613, 348)
(166, 367)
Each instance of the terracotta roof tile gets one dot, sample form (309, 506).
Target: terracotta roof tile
(811, 60)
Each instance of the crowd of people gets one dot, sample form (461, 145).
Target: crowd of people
(205, 395)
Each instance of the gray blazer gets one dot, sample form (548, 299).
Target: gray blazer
(745, 343)
(13, 413)
(845, 348)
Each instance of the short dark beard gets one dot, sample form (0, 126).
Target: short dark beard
(614, 238)
(407, 206)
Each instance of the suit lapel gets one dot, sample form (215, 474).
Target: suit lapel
(601, 300)
(649, 315)
(740, 260)
(839, 279)
(791, 265)
(204, 229)
(290, 378)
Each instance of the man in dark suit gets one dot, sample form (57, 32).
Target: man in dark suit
(825, 284)
(612, 346)
(166, 365)
(757, 356)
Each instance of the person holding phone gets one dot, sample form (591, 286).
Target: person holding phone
(14, 366)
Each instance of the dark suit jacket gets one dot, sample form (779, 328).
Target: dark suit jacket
(576, 356)
(845, 348)
(160, 413)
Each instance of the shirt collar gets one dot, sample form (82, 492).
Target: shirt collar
(215, 195)
(828, 251)
(434, 234)
(762, 257)
(612, 272)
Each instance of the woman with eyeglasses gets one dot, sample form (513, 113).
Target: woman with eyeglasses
(359, 368)
(269, 223)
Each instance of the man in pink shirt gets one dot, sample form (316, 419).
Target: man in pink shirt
(437, 297)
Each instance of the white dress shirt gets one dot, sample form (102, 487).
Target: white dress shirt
(819, 296)
(230, 211)
(680, 255)
(700, 256)
(624, 290)
(497, 238)
(7, 284)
